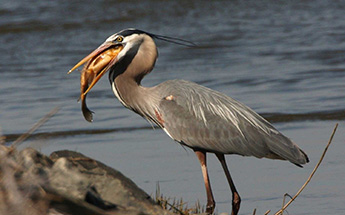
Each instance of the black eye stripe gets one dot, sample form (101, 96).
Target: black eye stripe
(128, 32)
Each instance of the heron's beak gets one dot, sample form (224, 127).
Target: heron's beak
(97, 64)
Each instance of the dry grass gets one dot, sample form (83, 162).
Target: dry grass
(41, 122)
(177, 206)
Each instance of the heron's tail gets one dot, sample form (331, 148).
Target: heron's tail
(306, 158)
(287, 150)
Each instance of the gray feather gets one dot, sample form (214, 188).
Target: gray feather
(203, 118)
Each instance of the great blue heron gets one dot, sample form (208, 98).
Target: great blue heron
(195, 116)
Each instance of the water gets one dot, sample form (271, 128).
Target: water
(286, 60)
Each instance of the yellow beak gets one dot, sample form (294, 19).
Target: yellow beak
(98, 63)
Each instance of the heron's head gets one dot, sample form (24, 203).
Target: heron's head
(117, 54)
(131, 50)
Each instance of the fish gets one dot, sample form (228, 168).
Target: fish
(96, 64)
(86, 77)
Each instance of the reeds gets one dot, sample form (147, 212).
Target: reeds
(177, 206)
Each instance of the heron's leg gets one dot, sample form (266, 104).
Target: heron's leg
(236, 200)
(210, 200)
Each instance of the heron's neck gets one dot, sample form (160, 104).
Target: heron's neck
(126, 84)
(134, 96)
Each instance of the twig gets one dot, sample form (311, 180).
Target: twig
(311, 175)
(285, 195)
(35, 127)
(254, 212)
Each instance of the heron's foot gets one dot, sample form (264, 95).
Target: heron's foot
(236, 202)
(210, 207)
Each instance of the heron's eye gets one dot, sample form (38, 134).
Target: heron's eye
(119, 39)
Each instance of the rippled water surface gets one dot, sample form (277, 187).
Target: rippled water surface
(286, 60)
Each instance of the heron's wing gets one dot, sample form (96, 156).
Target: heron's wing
(203, 118)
